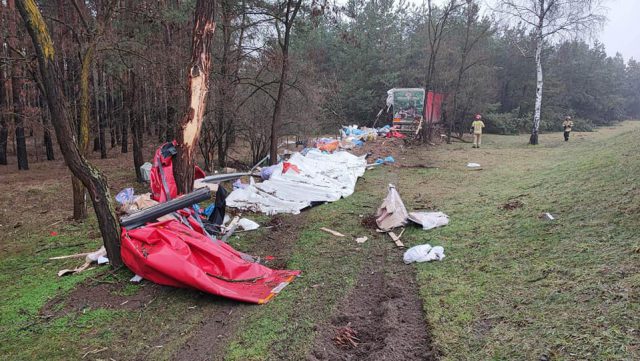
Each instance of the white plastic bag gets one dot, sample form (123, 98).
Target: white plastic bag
(247, 224)
(423, 253)
(145, 171)
(429, 220)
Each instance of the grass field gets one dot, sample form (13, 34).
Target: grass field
(512, 287)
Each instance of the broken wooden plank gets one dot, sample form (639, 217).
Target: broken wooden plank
(77, 255)
(396, 239)
(337, 234)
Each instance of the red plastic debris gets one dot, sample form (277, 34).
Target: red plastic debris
(172, 254)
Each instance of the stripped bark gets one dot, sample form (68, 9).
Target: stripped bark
(198, 75)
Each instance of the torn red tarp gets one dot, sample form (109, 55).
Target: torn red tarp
(163, 185)
(395, 134)
(172, 254)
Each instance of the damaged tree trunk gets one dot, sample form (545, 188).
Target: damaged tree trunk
(189, 128)
(91, 177)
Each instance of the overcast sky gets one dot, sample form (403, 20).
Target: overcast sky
(621, 33)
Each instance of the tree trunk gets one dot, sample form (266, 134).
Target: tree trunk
(4, 104)
(199, 70)
(79, 193)
(277, 109)
(98, 91)
(124, 126)
(91, 177)
(289, 18)
(4, 137)
(536, 114)
(137, 126)
(18, 117)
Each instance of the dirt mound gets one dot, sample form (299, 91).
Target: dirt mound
(512, 204)
(382, 319)
(381, 148)
(369, 222)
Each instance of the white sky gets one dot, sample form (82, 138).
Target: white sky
(621, 33)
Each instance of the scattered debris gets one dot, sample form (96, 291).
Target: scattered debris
(303, 181)
(547, 216)
(474, 166)
(77, 255)
(423, 253)
(512, 204)
(247, 224)
(346, 337)
(396, 239)
(392, 213)
(97, 256)
(429, 220)
(136, 279)
(361, 239)
(145, 171)
(337, 234)
(93, 352)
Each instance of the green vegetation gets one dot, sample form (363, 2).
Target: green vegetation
(513, 286)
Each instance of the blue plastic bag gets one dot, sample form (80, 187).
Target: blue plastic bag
(389, 159)
(125, 196)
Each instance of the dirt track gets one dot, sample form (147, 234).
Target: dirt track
(383, 310)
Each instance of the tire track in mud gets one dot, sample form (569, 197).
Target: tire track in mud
(385, 312)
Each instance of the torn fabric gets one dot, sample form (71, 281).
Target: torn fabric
(392, 212)
(317, 177)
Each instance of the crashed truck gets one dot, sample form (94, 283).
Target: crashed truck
(408, 108)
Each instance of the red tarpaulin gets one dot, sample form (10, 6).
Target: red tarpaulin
(163, 185)
(433, 109)
(171, 254)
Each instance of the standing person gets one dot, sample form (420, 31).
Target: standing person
(476, 127)
(567, 125)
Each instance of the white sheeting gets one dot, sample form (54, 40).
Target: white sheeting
(322, 178)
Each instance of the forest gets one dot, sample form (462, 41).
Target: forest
(124, 62)
(231, 180)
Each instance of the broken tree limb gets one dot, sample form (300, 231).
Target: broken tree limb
(331, 231)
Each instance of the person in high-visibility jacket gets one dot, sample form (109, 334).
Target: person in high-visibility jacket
(567, 125)
(476, 128)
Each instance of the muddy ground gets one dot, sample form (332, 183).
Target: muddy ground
(383, 314)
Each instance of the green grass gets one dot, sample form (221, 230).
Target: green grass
(515, 287)
(330, 267)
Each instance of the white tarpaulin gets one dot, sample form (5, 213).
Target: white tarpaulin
(316, 177)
